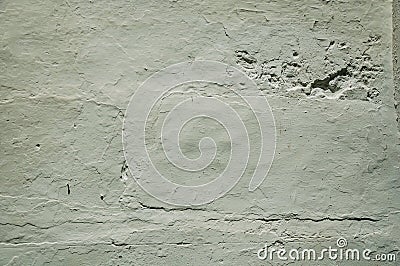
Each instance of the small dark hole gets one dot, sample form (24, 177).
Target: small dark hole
(101, 197)
(38, 145)
(295, 54)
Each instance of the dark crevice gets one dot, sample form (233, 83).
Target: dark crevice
(113, 243)
(324, 83)
(245, 56)
(151, 207)
(166, 209)
(332, 219)
(124, 169)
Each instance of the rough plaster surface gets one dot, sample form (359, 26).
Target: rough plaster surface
(68, 69)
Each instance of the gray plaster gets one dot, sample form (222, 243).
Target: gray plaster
(69, 68)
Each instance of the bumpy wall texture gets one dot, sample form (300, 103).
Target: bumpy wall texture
(69, 68)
